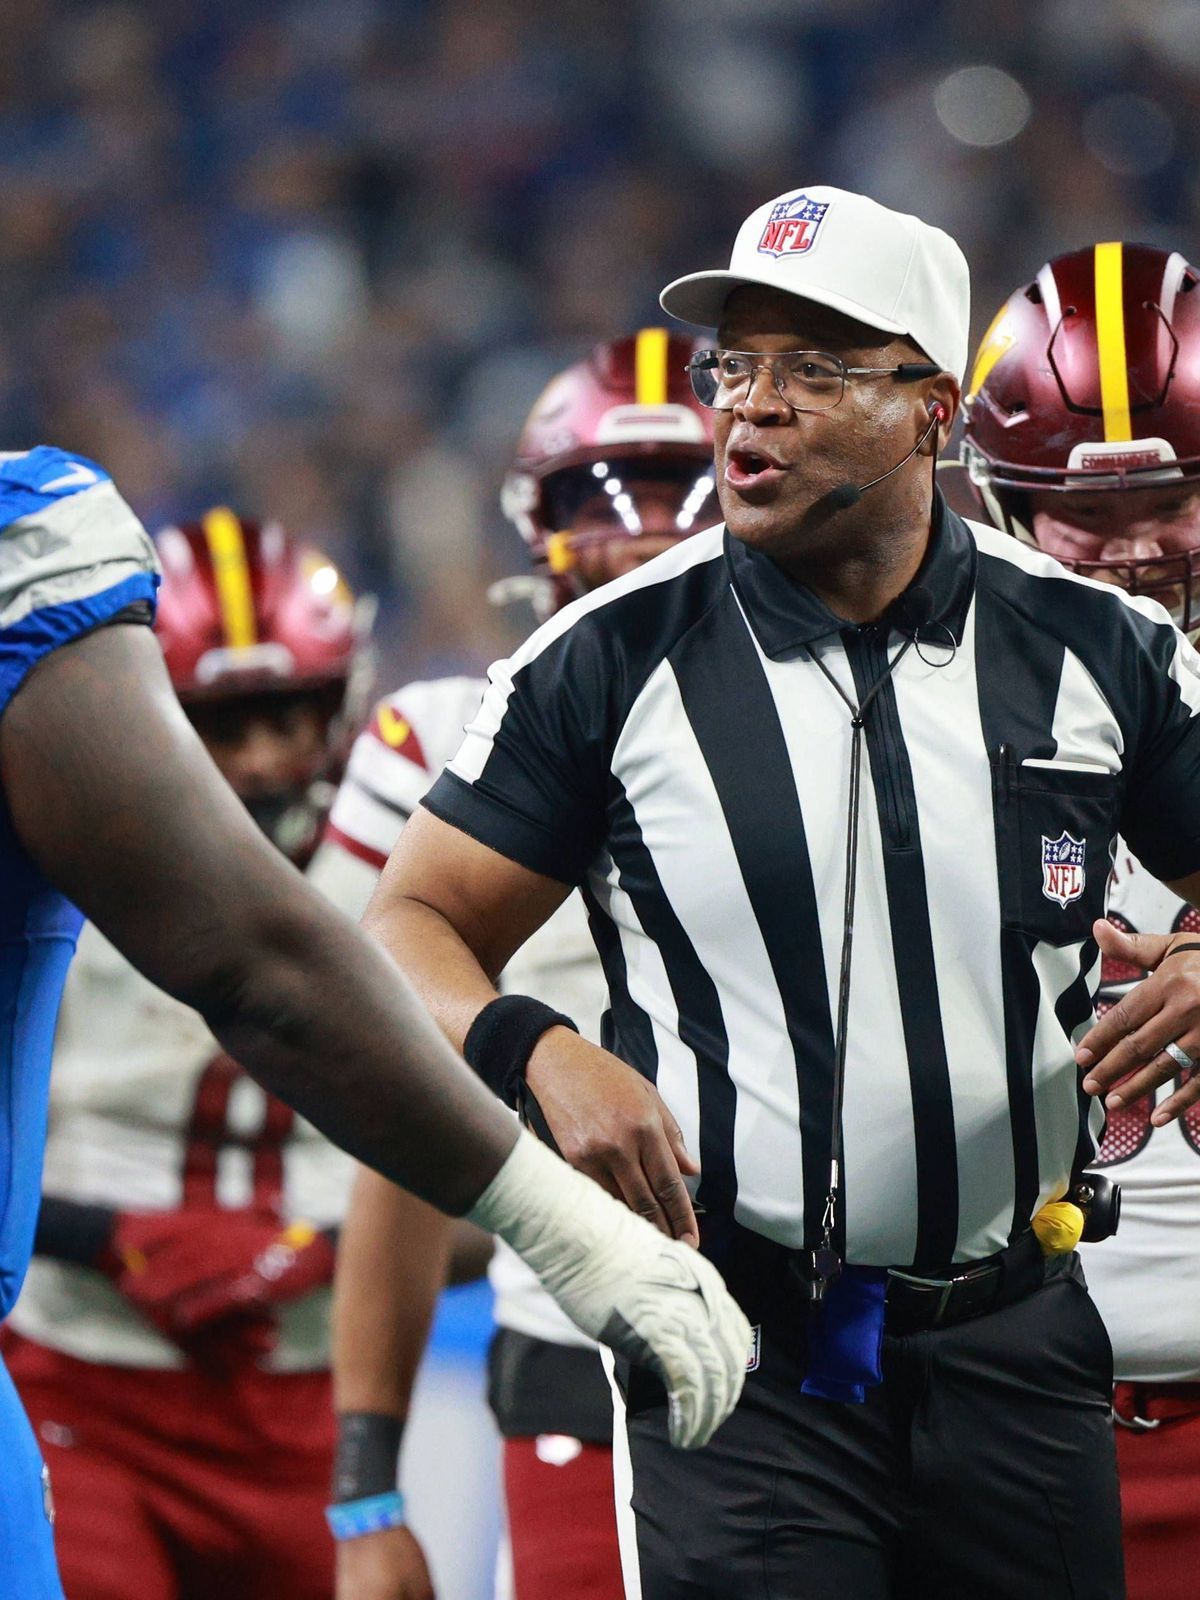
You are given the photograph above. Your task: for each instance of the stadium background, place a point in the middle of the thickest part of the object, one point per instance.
(316, 259)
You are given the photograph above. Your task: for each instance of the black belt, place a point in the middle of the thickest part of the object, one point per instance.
(916, 1303)
(767, 1278)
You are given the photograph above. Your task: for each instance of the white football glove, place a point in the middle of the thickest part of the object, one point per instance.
(651, 1298)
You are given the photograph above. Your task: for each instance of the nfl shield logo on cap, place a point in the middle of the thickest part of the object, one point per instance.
(792, 226)
(1062, 868)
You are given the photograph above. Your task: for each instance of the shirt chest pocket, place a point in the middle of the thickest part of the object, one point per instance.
(1054, 831)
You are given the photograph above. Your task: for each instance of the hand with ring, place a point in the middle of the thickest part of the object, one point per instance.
(1152, 1034)
(1179, 1057)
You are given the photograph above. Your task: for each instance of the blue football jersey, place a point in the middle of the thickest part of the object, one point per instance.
(72, 557)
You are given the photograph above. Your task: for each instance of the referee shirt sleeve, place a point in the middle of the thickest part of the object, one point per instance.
(531, 777)
(1161, 816)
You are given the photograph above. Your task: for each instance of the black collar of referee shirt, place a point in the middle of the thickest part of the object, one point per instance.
(786, 616)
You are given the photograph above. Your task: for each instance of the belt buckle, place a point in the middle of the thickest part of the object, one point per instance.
(945, 1285)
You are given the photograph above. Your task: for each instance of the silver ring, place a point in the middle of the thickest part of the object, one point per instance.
(1178, 1056)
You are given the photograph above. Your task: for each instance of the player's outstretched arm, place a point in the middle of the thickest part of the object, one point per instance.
(114, 797)
(117, 801)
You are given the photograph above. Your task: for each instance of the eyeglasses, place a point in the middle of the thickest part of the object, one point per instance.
(809, 380)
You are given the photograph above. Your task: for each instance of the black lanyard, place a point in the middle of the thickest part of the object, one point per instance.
(826, 1263)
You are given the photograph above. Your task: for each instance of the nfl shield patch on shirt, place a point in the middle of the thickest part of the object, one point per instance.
(755, 1348)
(1062, 868)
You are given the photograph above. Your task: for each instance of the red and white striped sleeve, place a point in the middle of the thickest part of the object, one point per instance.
(408, 739)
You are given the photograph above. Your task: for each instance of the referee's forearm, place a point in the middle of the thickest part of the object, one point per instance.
(451, 913)
(435, 958)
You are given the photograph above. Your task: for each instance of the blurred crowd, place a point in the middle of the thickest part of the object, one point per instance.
(316, 257)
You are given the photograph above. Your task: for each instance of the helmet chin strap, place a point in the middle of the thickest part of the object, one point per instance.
(535, 588)
(560, 556)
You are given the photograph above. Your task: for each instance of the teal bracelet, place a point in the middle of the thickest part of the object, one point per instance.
(353, 1518)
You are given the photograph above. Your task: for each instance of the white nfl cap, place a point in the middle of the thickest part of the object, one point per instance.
(882, 267)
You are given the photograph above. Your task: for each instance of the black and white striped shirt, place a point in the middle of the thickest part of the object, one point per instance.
(670, 744)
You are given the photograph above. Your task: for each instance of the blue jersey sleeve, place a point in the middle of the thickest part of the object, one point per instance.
(72, 557)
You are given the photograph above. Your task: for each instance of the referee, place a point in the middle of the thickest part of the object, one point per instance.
(839, 780)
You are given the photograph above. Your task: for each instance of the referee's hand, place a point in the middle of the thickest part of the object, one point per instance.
(1123, 1056)
(610, 1123)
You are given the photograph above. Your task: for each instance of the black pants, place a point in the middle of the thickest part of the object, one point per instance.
(982, 1468)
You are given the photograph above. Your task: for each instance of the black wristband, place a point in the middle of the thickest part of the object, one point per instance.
(368, 1451)
(68, 1230)
(501, 1040)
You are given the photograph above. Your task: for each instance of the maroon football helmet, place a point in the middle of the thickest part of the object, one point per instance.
(608, 436)
(249, 617)
(1087, 384)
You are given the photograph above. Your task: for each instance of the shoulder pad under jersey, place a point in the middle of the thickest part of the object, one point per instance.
(72, 554)
(408, 739)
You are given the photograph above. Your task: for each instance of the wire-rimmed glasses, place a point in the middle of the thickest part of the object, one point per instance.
(809, 380)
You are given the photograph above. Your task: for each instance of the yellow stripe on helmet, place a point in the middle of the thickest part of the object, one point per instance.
(1110, 340)
(227, 547)
(650, 367)
(996, 342)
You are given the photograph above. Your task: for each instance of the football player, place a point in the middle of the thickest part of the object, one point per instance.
(1083, 438)
(614, 464)
(170, 1341)
(108, 799)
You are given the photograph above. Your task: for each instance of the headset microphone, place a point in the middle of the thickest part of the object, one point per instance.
(846, 495)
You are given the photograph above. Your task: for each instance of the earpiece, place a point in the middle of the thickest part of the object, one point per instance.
(845, 495)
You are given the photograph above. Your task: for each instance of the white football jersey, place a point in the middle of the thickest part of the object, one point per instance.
(1146, 1280)
(148, 1113)
(410, 738)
